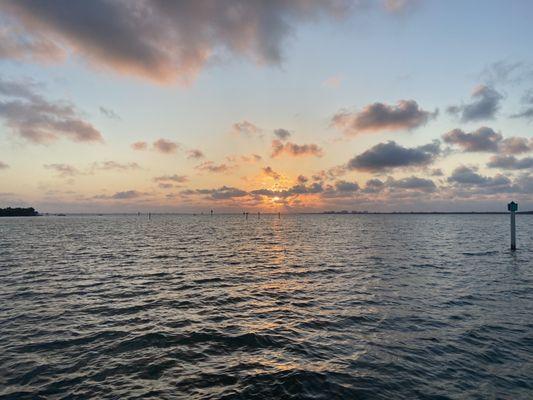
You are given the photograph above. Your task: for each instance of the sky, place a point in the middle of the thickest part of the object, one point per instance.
(271, 106)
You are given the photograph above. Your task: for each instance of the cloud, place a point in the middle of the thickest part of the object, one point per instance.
(160, 40)
(468, 176)
(485, 139)
(376, 117)
(252, 158)
(113, 165)
(400, 6)
(27, 114)
(374, 186)
(413, 183)
(302, 179)
(386, 156)
(171, 178)
(245, 128)
(332, 82)
(63, 170)
(292, 191)
(482, 139)
(485, 105)
(139, 146)
(345, 186)
(165, 146)
(195, 154)
(3, 165)
(510, 162)
(330, 173)
(222, 193)
(109, 113)
(282, 134)
(526, 114)
(17, 46)
(295, 150)
(516, 145)
(268, 171)
(128, 194)
(210, 166)
(506, 72)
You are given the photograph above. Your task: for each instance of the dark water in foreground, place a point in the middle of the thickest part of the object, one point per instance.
(306, 307)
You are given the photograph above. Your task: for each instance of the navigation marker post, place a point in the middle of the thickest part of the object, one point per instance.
(513, 207)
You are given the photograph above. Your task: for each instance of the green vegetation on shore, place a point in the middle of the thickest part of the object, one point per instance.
(18, 212)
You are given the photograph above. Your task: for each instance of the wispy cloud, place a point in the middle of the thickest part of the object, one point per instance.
(210, 166)
(268, 171)
(63, 170)
(108, 113)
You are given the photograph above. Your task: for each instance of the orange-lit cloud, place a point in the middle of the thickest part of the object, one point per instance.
(295, 150)
(161, 41)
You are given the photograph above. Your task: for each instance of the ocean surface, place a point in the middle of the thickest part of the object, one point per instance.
(302, 307)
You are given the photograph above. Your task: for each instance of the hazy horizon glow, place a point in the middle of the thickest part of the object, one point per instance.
(304, 105)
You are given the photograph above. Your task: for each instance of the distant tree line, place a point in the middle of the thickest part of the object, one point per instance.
(18, 212)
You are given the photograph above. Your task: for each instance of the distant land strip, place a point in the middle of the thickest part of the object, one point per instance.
(18, 212)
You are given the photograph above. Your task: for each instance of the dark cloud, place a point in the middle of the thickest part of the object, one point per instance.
(482, 139)
(386, 156)
(109, 113)
(510, 162)
(406, 114)
(210, 166)
(345, 186)
(29, 115)
(282, 134)
(156, 39)
(485, 105)
(165, 146)
(485, 139)
(195, 154)
(295, 190)
(268, 171)
(374, 186)
(295, 150)
(468, 176)
(222, 193)
(436, 172)
(63, 170)
(3, 165)
(171, 178)
(413, 183)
